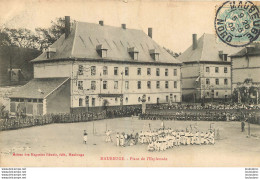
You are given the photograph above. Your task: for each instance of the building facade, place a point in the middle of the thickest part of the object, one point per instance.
(206, 71)
(111, 66)
(246, 74)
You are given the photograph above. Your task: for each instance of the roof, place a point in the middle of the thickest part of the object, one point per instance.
(252, 52)
(207, 50)
(39, 88)
(84, 37)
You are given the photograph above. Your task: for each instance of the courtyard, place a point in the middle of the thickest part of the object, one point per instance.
(62, 145)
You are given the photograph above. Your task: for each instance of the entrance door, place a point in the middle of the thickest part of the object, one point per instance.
(158, 101)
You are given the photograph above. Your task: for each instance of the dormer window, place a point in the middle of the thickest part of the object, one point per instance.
(50, 52)
(154, 54)
(223, 56)
(102, 50)
(133, 52)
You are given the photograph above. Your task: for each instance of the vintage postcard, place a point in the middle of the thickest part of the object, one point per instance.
(129, 83)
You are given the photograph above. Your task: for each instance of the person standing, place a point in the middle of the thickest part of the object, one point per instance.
(85, 137)
(108, 136)
(242, 126)
(117, 139)
(122, 139)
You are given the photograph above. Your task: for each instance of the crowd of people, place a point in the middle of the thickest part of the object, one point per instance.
(200, 116)
(22, 121)
(163, 138)
(183, 106)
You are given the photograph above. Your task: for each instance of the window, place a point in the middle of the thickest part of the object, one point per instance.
(115, 70)
(216, 93)
(126, 71)
(80, 102)
(207, 81)
(93, 70)
(115, 84)
(175, 84)
(157, 84)
(93, 85)
(34, 100)
(207, 93)
(93, 102)
(104, 84)
(225, 69)
(217, 81)
(139, 99)
(226, 81)
(116, 100)
(166, 84)
(139, 85)
(105, 72)
(157, 72)
(87, 100)
(126, 84)
(40, 100)
(166, 72)
(167, 98)
(207, 69)
(158, 100)
(216, 69)
(149, 84)
(148, 71)
(224, 57)
(80, 71)
(174, 72)
(80, 85)
(149, 98)
(139, 71)
(126, 99)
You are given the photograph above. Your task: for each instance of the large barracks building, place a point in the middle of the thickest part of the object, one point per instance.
(95, 65)
(206, 71)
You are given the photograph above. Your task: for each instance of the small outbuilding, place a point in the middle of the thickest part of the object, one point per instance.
(42, 96)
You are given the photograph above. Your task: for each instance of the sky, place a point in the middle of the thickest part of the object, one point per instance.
(173, 22)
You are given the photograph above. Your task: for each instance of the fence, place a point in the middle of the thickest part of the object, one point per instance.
(200, 117)
(22, 121)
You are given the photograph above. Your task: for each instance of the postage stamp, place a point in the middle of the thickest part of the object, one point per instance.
(237, 23)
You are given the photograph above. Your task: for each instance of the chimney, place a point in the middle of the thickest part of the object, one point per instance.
(123, 26)
(67, 26)
(150, 32)
(194, 41)
(101, 23)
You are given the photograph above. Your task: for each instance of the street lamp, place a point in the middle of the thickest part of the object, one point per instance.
(121, 98)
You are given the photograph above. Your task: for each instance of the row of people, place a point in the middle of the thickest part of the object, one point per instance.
(182, 116)
(163, 139)
(180, 106)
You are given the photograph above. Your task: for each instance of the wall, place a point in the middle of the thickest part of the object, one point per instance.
(242, 69)
(133, 93)
(56, 69)
(59, 100)
(191, 72)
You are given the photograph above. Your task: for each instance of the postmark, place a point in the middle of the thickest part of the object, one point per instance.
(237, 23)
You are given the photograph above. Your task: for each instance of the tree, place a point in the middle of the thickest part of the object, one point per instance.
(41, 39)
(48, 36)
(4, 39)
(21, 37)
